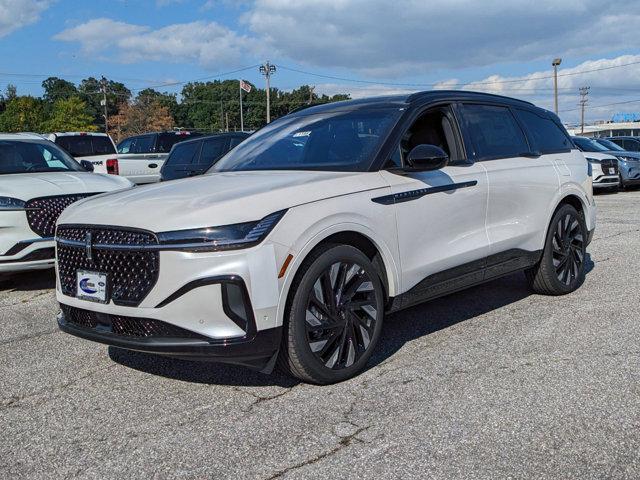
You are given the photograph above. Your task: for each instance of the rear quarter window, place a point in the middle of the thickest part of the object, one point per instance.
(184, 154)
(545, 135)
(494, 132)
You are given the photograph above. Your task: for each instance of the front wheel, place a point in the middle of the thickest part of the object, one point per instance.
(561, 269)
(335, 316)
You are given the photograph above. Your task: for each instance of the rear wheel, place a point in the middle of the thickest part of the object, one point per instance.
(561, 269)
(335, 316)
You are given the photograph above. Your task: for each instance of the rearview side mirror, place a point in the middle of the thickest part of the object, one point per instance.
(427, 157)
(87, 165)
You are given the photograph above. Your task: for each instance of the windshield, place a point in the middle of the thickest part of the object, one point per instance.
(86, 145)
(588, 145)
(330, 141)
(23, 156)
(610, 145)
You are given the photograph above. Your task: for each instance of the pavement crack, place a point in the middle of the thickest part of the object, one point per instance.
(22, 338)
(13, 401)
(344, 442)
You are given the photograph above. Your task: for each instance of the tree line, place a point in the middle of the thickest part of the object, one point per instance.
(204, 106)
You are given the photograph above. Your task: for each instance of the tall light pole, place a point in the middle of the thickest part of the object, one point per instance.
(556, 63)
(267, 70)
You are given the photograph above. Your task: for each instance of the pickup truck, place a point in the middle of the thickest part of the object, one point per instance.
(96, 148)
(140, 158)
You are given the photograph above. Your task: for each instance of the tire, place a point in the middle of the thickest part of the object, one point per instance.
(352, 315)
(561, 270)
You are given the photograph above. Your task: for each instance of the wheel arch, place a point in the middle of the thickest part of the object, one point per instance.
(355, 235)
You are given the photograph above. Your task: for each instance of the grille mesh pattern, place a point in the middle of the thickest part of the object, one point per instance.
(130, 274)
(126, 326)
(43, 212)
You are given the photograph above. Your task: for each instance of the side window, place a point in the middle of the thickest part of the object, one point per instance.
(545, 134)
(235, 141)
(143, 144)
(212, 149)
(184, 154)
(125, 145)
(494, 132)
(435, 126)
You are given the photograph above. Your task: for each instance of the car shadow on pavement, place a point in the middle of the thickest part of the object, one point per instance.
(28, 281)
(399, 328)
(198, 372)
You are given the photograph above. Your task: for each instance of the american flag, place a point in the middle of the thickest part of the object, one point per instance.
(245, 86)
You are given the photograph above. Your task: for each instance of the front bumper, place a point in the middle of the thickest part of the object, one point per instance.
(255, 351)
(32, 254)
(226, 301)
(606, 181)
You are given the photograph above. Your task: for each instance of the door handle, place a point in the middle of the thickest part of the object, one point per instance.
(153, 165)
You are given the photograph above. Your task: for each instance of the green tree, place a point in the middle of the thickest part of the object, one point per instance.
(10, 93)
(58, 89)
(167, 100)
(22, 114)
(69, 115)
(90, 92)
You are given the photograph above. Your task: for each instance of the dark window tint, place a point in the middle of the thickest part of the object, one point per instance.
(631, 145)
(212, 150)
(86, 145)
(125, 145)
(588, 145)
(168, 140)
(236, 141)
(102, 145)
(142, 144)
(184, 154)
(494, 132)
(34, 157)
(329, 141)
(546, 135)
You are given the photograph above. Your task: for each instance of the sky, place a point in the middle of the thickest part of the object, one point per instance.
(360, 47)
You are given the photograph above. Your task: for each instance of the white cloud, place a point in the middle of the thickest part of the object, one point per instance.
(382, 38)
(207, 43)
(15, 14)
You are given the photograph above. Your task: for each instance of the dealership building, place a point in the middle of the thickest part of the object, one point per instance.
(621, 125)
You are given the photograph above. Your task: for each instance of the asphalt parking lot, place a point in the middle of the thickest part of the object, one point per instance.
(490, 383)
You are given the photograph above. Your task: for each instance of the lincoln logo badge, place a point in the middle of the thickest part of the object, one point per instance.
(87, 246)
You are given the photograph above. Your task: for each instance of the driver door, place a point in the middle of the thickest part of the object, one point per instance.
(441, 214)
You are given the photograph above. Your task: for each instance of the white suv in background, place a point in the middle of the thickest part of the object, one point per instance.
(37, 181)
(298, 241)
(96, 148)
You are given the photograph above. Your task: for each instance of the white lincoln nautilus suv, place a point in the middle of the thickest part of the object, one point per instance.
(295, 244)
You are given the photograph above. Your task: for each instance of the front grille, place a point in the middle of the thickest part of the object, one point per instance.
(43, 212)
(131, 274)
(125, 326)
(607, 164)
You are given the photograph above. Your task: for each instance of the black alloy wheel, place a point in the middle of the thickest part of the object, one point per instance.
(562, 267)
(341, 315)
(568, 249)
(334, 318)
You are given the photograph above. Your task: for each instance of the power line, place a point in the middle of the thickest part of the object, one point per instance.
(497, 82)
(208, 77)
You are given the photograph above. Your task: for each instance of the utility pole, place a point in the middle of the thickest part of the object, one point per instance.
(267, 70)
(584, 91)
(556, 63)
(103, 89)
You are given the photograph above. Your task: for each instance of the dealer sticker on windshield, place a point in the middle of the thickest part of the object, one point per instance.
(91, 286)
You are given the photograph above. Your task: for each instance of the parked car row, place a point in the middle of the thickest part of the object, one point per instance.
(613, 167)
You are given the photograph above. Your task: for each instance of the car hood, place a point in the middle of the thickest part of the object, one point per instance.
(599, 155)
(26, 186)
(216, 199)
(615, 153)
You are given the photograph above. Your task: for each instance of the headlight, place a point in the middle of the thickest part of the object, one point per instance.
(593, 160)
(227, 237)
(11, 204)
